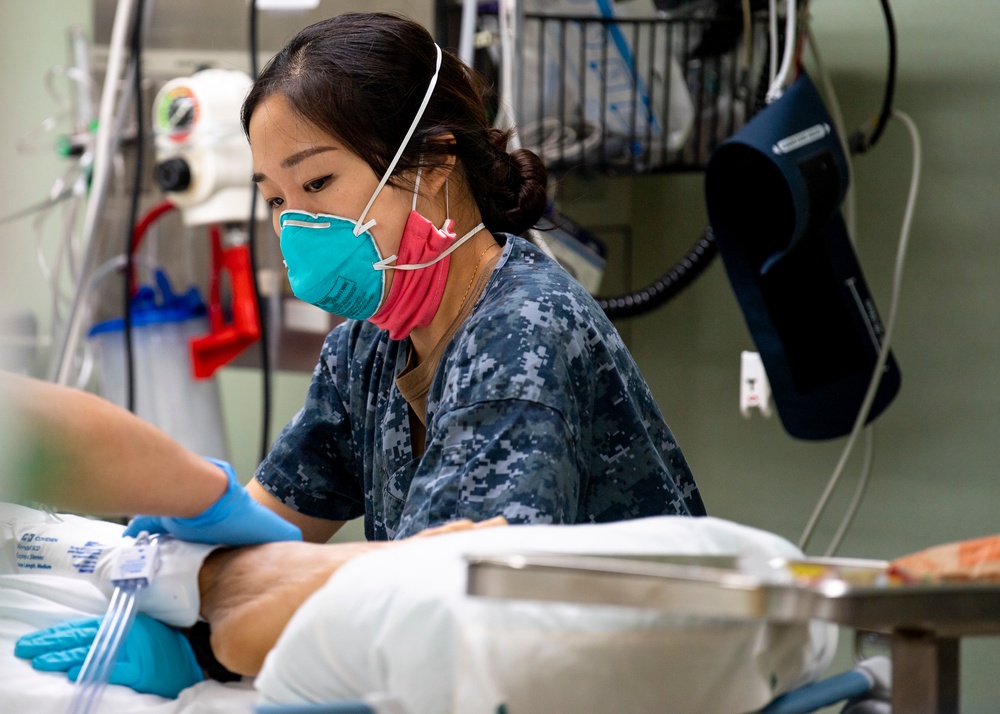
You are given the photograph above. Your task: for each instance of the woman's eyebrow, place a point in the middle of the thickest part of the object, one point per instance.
(305, 154)
(296, 158)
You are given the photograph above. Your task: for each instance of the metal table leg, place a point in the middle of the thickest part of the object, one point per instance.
(924, 673)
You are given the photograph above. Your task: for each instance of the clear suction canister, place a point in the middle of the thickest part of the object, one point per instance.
(166, 393)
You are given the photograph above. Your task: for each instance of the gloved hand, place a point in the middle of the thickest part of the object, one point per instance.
(235, 519)
(154, 659)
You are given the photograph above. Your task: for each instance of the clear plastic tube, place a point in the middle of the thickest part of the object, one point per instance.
(104, 651)
(134, 572)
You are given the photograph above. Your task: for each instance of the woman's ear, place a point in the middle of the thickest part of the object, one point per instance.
(439, 170)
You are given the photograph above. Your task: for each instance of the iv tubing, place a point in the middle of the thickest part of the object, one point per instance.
(103, 653)
(104, 147)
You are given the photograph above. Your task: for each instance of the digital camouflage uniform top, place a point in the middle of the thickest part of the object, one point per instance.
(537, 412)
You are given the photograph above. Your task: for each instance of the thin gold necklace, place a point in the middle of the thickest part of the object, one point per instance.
(479, 264)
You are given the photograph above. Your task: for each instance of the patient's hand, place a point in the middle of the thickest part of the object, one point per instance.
(249, 594)
(461, 525)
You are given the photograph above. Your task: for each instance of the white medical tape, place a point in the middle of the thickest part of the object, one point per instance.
(34, 543)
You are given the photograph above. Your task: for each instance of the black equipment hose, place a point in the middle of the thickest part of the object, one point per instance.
(667, 286)
(265, 353)
(133, 215)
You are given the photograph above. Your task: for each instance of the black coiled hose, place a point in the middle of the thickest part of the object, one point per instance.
(668, 285)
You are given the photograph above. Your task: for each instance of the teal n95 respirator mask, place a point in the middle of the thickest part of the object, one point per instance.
(329, 265)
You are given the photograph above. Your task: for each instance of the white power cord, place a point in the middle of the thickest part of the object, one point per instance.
(890, 324)
(772, 45)
(859, 494)
(779, 80)
(466, 37)
(506, 113)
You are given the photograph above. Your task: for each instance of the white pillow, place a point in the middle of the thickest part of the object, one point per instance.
(398, 622)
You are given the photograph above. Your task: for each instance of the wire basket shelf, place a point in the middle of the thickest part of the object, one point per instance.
(612, 94)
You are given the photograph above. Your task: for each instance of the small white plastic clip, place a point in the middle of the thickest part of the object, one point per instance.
(135, 566)
(755, 390)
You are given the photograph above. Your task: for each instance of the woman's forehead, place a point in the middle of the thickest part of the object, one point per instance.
(276, 123)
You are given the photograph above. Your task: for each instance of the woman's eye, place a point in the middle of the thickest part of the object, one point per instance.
(317, 184)
(275, 203)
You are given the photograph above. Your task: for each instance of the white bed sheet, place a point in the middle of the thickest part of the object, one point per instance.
(31, 602)
(398, 622)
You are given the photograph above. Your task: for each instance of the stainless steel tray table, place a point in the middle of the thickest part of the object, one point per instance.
(925, 622)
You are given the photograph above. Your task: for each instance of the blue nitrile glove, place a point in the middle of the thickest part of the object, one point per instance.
(235, 519)
(154, 659)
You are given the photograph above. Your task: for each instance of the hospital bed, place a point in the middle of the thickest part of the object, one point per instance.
(924, 622)
(398, 624)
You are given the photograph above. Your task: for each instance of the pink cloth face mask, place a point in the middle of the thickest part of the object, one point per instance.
(423, 259)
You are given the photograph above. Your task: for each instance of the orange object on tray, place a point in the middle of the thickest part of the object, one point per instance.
(964, 561)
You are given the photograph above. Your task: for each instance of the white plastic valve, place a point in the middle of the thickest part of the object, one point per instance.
(197, 123)
(755, 390)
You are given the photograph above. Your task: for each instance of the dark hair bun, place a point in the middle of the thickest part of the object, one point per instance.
(532, 196)
(521, 177)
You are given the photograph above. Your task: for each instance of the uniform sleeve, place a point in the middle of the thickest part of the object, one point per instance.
(513, 458)
(311, 466)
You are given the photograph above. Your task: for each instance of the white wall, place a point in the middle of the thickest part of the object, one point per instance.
(31, 42)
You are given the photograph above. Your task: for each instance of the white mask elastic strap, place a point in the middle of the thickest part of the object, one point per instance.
(416, 187)
(384, 264)
(360, 227)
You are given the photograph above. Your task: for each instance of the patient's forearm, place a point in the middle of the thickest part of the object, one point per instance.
(85, 454)
(249, 594)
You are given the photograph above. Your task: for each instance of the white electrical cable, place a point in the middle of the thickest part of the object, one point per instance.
(890, 324)
(859, 494)
(506, 113)
(780, 80)
(470, 9)
(772, 31)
